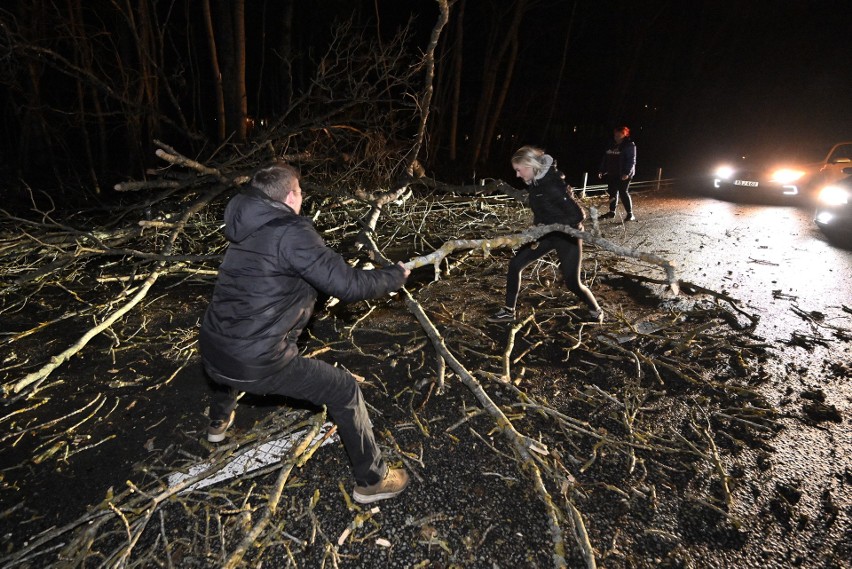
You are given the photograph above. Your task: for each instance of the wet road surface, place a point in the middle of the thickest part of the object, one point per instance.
(759, 253)
(774, 260)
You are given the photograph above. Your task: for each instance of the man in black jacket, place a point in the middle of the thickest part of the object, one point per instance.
(618, 166)
(264, 296)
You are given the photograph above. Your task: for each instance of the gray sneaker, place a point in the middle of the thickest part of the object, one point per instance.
(502, 315)
(393, 484)
(217, 428)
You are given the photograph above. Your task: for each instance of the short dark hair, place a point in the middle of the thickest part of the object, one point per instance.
(276, 181)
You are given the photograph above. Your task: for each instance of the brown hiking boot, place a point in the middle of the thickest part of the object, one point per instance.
(393, 484)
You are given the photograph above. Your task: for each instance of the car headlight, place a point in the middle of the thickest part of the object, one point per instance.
(786, 175)
(834, 196)
(824, 217)
(724, 172)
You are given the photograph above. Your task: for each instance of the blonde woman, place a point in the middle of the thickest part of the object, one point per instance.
(551, 201)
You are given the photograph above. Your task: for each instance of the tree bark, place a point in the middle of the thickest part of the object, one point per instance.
(457, 78)
(562, 65)
(217, 72)
(491, 75)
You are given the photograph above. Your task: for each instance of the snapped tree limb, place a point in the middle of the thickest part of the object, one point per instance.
(537, 232)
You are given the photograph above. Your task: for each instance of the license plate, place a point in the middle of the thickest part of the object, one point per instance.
(745, 183)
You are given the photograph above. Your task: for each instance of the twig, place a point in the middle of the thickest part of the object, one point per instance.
(510, 344)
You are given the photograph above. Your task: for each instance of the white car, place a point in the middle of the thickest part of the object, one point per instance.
(831, 169)
(834, 208)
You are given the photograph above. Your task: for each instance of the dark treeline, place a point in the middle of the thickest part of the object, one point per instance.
(87, 85)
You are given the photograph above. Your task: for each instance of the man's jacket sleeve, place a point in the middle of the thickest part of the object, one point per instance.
(323, 268)
(628, 160)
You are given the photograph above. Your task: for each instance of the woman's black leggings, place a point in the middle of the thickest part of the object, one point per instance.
(570, 252)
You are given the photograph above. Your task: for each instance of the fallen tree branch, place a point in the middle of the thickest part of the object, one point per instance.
(525, 447)
(301, 453)
(537, 232)
(33, 380)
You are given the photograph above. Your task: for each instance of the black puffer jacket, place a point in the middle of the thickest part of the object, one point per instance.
(552, 202)
(267, 287)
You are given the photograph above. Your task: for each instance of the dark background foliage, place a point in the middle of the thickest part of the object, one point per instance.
(86, 87)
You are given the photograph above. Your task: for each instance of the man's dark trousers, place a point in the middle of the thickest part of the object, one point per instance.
(319, 383)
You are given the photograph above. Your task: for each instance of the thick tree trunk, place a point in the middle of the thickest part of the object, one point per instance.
(494, 63)
(562, 66)
(217, 72)
(457, 78)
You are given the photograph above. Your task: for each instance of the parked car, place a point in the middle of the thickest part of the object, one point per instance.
(834, 208)
(753, 177)
(832, 168)
(773, 177)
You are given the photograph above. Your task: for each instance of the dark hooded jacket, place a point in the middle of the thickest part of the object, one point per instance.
(267, 287)
(551, 201)
(620, 159)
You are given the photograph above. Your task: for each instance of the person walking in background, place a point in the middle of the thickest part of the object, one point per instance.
(619, 166)
(263, 298)
(551, 201)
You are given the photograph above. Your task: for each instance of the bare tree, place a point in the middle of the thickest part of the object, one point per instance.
(217, 73)
(559, 75)
(501, 55)
(229, 27)
(135, 74)
(112, 60)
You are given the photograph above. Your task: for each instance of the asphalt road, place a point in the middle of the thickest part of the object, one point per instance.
(773, 259)
(760, 253)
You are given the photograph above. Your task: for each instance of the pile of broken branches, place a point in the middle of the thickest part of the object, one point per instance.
(616, 434)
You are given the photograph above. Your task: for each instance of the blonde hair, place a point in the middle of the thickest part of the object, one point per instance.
(530, 156)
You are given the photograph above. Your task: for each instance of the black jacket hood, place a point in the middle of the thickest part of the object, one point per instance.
(250, 210)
